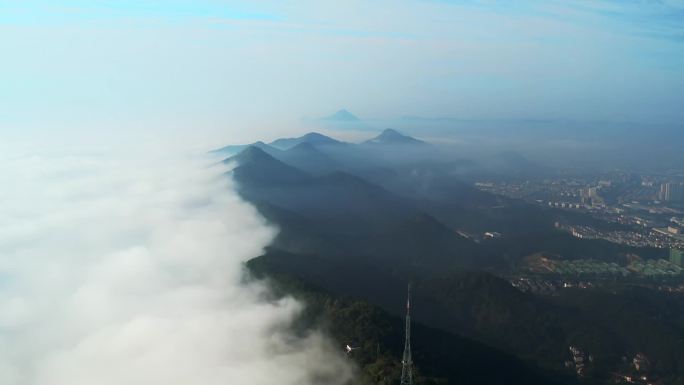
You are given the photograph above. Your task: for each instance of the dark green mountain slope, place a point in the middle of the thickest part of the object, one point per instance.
(391, 216)
(340, 202)
(256, 169)
(608, 325)
(439, 357)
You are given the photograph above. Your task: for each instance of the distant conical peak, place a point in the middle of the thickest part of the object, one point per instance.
(317, 138)
(393, 136)
(252, 153)
(314, 135)
(343, 115)
(389, 132)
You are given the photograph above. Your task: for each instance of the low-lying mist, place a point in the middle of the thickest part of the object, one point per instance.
(128, 271)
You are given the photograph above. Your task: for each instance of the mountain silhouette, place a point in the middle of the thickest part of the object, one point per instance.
(341, 116)
(390, 136)
(313, 138)
(255, 167)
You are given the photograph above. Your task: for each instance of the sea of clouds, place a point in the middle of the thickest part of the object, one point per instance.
(127, 269)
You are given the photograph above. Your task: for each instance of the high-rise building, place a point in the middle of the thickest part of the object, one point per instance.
(671, 192)
(590, 196)
(677, 257)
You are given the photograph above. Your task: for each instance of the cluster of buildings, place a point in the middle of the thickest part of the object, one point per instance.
(545, 269)
(582, 267)
(579, 361)
(671, 192)
(670, 237)
(534, 285)
(541, 286)
(655, 268)
(566, 205)
(677, 257)
(592, 191)
(590, 195)
(672, 231)
(639, 373)
(652, 268)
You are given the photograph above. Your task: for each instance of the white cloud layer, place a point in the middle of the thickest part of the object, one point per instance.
(119, 271)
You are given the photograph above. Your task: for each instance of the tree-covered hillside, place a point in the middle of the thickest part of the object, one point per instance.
(440, 357)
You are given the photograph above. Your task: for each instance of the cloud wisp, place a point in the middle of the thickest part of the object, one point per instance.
(119, 271)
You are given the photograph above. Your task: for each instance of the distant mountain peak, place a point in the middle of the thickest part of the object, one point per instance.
(251, 154)
(391, 133)
(237, 148)
(317, 138)
(342, 116)
(313, 138)
(391, 136)
(256, 167)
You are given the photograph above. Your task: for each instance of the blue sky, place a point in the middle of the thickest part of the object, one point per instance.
(216, 67)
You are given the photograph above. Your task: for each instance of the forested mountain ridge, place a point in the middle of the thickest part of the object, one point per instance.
(439, 357)
(361, 221)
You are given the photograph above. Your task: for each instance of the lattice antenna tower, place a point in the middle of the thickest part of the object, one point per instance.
(407, 362)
